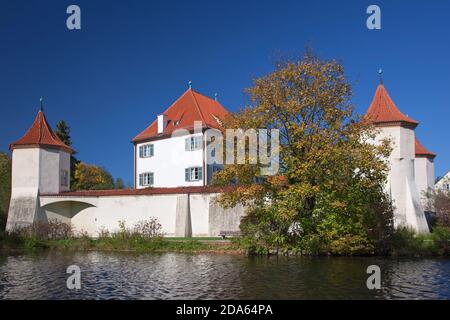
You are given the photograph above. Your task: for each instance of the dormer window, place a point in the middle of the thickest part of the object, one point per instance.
(176, 122)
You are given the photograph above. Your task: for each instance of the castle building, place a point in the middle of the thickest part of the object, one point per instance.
(173, 169)
(169, 149)
(411, 171)
(171, 152)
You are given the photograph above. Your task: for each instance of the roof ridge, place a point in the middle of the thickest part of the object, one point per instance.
(198, 107)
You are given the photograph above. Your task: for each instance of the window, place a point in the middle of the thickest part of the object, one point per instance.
(193, 143)
(146, 179)
(146, 151)
(64, 178)
(193, 174)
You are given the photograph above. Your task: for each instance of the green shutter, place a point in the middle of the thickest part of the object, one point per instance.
(187, 176)
(200, 173)
(141, 152)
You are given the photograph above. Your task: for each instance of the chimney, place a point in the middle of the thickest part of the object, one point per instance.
(162, 123)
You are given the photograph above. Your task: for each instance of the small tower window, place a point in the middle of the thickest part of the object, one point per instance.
(64, 178)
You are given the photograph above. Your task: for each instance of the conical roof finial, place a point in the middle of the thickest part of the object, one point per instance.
(190, 84)
(41, 108)
(380, 73)
(216, 96)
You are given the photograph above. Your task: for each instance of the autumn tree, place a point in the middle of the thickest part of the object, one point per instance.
(63, 133)
(5, 187)
(331, 179)
(91, 177)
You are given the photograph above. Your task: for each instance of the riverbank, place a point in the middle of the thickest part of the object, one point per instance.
(206, 245)
(402, 243)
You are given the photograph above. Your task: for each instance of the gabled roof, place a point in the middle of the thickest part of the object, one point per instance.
(421, 151)
(191, 106)
(40, 135)
(383, 111)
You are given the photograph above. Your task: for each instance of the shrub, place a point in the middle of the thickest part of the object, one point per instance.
(351, 245)
(51, 230)
(148, 229)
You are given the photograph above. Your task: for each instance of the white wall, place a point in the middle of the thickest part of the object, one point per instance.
(424, 174)
(92, 214)
(401, 184)
(169, 162)
(25, 168)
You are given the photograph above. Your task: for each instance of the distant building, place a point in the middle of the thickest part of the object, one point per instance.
(443, 183)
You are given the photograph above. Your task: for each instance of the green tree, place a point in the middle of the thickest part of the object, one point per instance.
(91, 177)
(5, 187)
(63, 133)
(331, 179)
(119, 184)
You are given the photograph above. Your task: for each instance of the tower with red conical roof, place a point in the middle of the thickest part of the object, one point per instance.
(40, 164)
(411, 166)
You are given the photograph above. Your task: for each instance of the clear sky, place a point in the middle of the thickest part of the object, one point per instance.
(132, 59)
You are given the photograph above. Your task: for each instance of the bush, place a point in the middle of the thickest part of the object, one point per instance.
(51, 230)
(150, 228)
(441, 239)
(351, 245)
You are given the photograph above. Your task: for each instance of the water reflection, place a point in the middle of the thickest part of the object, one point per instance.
(205, 276)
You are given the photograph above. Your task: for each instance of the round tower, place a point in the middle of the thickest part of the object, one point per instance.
(40, 164)
(401, 184)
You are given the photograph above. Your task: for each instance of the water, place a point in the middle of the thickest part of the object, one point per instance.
(214, 276)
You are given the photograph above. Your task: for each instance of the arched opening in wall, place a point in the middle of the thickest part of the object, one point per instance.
(63, 210)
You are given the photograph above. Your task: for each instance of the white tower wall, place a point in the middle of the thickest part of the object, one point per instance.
(401, 185)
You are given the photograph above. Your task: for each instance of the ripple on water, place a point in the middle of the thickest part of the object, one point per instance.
(210, 276)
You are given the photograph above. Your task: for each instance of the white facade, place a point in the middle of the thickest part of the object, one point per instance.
(35, 171)
(424, 175)
(401, 182)
(169, 162)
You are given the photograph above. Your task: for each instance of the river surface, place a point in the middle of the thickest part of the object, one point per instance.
(214, 276)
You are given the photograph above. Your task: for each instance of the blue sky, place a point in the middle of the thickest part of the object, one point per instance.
(132, 59)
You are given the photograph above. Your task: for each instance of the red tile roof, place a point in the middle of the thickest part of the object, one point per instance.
(383, 110)
(138, 192)
(421, 151)
(191, 106)
(41, 135)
